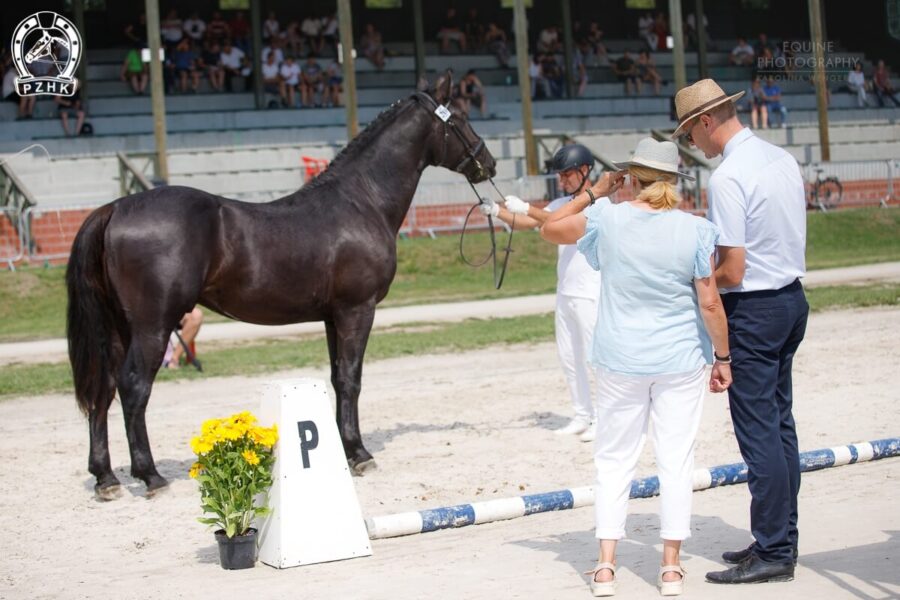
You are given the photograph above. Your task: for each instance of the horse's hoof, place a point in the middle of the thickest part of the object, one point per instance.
(108, 493)
(156, 485)
(359, 469)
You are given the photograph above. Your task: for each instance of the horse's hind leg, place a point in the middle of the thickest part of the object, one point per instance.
(348, 335)
(142, 361)
(107, 486)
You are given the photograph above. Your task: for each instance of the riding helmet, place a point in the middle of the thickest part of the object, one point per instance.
(571, 156)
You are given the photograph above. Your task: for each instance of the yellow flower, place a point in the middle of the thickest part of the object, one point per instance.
(250, 456)
(195, 470)
(201, 445)
(265, 436)
(244, 418)
(229, 433)
(209, 426)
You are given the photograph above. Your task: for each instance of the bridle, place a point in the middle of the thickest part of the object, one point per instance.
(443, 114)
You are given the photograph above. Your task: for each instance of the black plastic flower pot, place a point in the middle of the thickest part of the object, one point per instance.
(238, 552)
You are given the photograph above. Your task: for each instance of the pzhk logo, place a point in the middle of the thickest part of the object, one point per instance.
(46, 49)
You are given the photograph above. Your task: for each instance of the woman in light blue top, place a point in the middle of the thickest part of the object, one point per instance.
(660, 307)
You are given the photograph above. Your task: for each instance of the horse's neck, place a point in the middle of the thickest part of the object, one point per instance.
(396, 159)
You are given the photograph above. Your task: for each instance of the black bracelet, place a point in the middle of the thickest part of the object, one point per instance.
(591, 195)
(725, 360)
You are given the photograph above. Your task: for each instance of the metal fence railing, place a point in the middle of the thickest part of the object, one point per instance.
(39, 234)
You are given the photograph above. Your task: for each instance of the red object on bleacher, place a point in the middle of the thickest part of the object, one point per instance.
(313, 166)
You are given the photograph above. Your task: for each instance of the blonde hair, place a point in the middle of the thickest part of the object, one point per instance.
(658, 188)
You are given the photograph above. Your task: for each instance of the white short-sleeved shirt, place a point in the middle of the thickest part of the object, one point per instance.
(270, 71)
(290, 73)
(650, 321)
(574, 276)
(232, 59)
(756, 197)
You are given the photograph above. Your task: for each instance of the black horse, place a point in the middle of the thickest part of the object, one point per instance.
(324, 253)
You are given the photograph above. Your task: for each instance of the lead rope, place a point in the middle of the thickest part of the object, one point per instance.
(498, 278)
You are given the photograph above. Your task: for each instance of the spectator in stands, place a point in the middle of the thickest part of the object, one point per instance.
(762, 44)
(239, 28)
(290, 81)
(334, 84)
(195, 28)
(136, 33)
(211, 60)
(312, 82)
(626, 71)
(646, 32)
(371, 46)
(595, 39)
(474, 29)
(190, 326)
(692, 33)
(70, 106)
(579, 69)
(330, 32)
(274, 47)
(881, 85)
(548, 41)
(451, 31)
(856, 83)
(538, 81)
(757, 99)
(772, 94)
(647, 71)
(25, 103)
(134, 70)
(765, 64)
(495, 39)
(553, 74)
(292, 38)
(742, 54)
(232, 59)
(271, 78)
(184, 64)
(171, 29)
(271, 27)
(661, 29)
(312, 32)
(218, 30)
(471, 91)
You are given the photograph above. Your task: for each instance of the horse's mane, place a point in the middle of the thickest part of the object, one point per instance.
(356, 145)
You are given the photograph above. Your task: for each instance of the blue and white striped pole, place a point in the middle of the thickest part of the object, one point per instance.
(432, 519)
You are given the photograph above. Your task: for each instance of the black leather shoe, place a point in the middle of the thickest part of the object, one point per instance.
(753, 570)
(733, 558)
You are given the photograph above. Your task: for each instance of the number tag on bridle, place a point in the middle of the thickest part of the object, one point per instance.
(442, 113)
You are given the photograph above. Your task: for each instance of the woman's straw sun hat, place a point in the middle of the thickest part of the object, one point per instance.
(696, 99)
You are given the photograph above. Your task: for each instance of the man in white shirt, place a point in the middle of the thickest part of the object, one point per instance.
(232, 59)
(577, 289)
(290, 80)
(195, 27)
(756, 197)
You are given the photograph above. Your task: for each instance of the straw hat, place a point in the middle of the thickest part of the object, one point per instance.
(697, 99)
(660, 156)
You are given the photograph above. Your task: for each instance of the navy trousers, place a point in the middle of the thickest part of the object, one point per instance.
(764, 330)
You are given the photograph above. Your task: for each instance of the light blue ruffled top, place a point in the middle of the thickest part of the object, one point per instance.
(649, 321)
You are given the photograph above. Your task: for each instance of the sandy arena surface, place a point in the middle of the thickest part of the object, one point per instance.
(450, 429)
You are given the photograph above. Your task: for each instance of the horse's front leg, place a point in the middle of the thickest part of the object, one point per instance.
(348, 335)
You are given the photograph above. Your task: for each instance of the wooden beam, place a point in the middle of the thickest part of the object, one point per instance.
(678, 44)
(818, 41)
(525, 86)
(256, 51)
(157, 89)
(345, 23)
(568, 47)
(419, 38)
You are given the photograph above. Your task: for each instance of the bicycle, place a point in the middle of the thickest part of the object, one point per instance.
(824, 194)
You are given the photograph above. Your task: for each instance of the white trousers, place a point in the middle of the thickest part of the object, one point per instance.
(575, 322)
(627, 404)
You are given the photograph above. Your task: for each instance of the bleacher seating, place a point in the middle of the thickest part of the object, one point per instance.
(217, 140)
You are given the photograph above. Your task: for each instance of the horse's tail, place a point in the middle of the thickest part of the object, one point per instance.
(89, 322)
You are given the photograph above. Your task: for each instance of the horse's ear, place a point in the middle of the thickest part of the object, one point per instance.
(443, 87)
(422, 85)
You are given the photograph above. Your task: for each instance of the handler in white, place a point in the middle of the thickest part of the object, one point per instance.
(577, 288)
